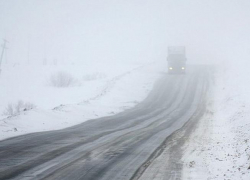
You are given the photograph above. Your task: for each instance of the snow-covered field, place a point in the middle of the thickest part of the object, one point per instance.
(97, 90)
(220, 146)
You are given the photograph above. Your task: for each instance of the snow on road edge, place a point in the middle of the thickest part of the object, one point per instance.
(220, 147)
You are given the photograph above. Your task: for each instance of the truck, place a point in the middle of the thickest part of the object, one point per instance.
(176, 60)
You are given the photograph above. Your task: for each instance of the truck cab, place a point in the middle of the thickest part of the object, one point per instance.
(176, 60)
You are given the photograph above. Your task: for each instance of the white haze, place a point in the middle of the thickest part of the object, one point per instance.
(117, 31)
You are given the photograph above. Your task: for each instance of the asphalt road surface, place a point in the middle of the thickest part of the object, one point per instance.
(128, 146)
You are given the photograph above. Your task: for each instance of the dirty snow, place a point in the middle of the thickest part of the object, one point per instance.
(98, 90)
(220, 147)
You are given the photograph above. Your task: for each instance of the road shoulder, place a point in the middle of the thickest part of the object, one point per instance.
(219, 147)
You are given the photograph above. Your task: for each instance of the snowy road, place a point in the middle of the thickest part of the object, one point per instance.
(129, 145)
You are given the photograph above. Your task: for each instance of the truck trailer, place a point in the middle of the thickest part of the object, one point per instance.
(176, 60)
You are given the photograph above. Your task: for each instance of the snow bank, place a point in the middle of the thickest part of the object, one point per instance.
(99, 90)
(220, 146)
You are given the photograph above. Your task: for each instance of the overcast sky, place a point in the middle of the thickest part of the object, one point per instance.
(124, 30)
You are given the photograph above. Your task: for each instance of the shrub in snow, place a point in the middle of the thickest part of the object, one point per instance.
(95, 76)
(19, 107)
(14, 109)
(62, 79)
(9, 110)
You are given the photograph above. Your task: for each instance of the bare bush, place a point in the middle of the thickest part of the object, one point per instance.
(19, 107)
(15, 109)
(9, 110)
(62, 79)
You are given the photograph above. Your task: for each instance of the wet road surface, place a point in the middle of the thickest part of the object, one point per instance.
(119, 147)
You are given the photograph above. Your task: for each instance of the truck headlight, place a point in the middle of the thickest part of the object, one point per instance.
(183, 68)
(170, 68)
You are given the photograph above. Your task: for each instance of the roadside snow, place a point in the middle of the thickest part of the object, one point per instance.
(220, 146)
(99, 90)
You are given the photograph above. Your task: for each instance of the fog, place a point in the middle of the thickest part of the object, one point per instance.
(73, 61)
(117, 31)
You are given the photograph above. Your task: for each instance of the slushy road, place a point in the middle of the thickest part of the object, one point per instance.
(108, 148)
